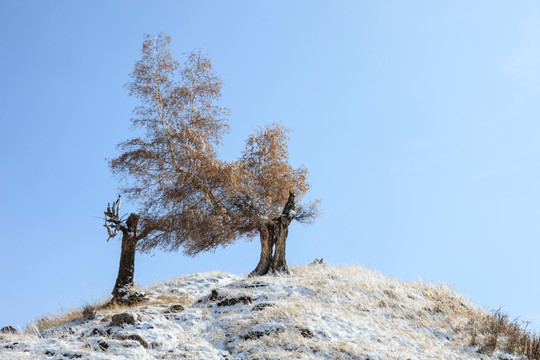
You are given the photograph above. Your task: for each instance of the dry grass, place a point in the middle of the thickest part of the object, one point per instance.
(86, 312)
(91, 311)
(182, 299)
(407, 306)
(50, 321)
(331, 312)
(352, 298)
(496, 331)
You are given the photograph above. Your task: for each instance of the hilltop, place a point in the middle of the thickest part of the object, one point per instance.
(317, 312)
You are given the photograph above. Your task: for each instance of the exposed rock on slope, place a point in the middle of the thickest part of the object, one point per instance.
(318, 312)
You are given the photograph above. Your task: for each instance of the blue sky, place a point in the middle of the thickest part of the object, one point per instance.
(419, 122)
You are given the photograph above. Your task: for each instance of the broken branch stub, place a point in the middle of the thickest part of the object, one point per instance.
(112, 221)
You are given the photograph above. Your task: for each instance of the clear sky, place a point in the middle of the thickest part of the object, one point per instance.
(419, 122)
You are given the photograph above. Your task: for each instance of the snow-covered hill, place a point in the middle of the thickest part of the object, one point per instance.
(318, 312)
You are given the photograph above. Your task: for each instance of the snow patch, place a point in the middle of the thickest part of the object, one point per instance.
(318, 312)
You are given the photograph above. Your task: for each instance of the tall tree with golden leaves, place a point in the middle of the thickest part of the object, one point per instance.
(171, 169)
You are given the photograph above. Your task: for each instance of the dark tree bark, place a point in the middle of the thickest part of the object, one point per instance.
(266, 234)
(279, 262)
(274, 240)
(126, 270)
(123, 292)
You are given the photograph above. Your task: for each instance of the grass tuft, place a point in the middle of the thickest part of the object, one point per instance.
(496, 331)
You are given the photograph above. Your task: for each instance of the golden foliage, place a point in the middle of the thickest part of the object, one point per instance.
(268, 172)
(189, 197)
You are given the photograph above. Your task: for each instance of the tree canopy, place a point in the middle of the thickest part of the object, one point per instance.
(188, 197)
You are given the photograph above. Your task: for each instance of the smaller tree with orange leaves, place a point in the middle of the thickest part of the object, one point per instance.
(268, 194)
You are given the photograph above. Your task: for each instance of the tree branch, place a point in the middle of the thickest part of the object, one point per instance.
(113, 223)
(308, 213)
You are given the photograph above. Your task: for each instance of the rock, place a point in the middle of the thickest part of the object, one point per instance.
(307, 333)
(176, 308)
(121, 319)
(254, 335)
(255, 284)
(8, 330)
(72, 356)
(129, 297)
(98, 332)
(233, 301)
(134, 337)
(261, 306)
(214, 295)
(103, 345)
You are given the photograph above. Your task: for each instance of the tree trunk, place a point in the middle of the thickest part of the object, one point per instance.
(279, 262)
(266, 234)
(124, 281)
(274, 239)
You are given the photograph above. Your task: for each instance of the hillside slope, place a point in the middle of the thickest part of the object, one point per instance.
(318, 312)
